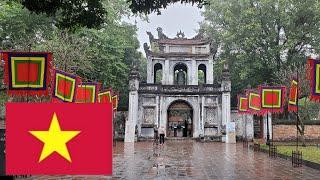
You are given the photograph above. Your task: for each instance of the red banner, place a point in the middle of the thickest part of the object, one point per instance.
(64, 86)
(27, 73)
(293, 96)
(87, 92)
(254, 106)
(242, 104)
(313, 74)
(105, 96)
(272, 98)
(115, 101)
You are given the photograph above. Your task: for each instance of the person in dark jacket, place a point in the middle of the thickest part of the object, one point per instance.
(162, 134)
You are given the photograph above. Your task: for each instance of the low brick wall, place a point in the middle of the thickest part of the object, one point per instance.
(288, 132)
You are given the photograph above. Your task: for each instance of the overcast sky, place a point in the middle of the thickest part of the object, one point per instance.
(173, 19)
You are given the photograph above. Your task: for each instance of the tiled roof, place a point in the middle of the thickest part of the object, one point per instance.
(180, 41)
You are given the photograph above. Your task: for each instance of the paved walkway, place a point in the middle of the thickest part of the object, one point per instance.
(194, 160)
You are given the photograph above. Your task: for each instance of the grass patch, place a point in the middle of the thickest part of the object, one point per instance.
(309, 153)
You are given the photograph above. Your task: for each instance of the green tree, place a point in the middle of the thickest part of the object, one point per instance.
(260, 38)
(104, 55)
(150, 6)
(69, 14)
(20, 28)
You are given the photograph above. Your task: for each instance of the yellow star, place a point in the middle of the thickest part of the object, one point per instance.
(54, 140)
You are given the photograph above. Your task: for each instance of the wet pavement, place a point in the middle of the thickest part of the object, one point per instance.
(189, 159)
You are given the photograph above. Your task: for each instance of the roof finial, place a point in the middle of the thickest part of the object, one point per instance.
(180, 35)
(161, 35)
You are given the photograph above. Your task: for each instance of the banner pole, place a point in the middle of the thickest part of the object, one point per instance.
(268, 135)
(297, 104)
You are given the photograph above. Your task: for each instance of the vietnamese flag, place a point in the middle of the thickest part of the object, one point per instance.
(58, 139)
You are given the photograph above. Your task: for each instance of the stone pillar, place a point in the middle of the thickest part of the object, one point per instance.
(170, 73)
(157, 120)
(133, 105)
(265, 126)
(194, 72)
(163, 111)
(210, 71)
(247, 127)
(226, 106)
(166, 72)
(202, 116)
(190, 73)
(150, 69)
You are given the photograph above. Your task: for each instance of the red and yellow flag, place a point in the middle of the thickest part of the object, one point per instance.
(115, 101)
(87, 92)
(105, 96)
(293, 96)
(64, 86)
(254, 104)
(59, 139)
(27, 73)
(272, 98)
(242, 104)
(313, 74)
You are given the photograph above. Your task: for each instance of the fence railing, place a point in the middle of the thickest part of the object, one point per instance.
(296, 158)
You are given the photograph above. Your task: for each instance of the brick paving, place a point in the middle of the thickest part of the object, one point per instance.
(189, 159)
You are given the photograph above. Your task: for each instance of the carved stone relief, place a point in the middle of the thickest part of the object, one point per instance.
(211, 116)
(149, 115)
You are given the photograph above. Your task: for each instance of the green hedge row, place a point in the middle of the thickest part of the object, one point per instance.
(293, 122)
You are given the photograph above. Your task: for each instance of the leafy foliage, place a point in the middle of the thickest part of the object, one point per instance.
(102, 55)
(69, 14)
(147, 6)
(3, 100)
(20, 28)
(258, 39)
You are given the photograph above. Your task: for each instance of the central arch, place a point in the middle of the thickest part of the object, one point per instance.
(180, 119)
(182, 69)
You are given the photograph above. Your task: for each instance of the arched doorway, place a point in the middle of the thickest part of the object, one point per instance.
(157, 76)
(180, 122)
(202, 74)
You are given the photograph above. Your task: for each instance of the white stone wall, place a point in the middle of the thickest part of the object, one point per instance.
(198, 104)
(244, 124)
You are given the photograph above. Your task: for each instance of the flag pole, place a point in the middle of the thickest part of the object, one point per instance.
(29, 49)
(268, 135)
(297, 114)
(272, 119)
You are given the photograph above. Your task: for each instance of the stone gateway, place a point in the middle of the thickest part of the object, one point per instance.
(181, 93)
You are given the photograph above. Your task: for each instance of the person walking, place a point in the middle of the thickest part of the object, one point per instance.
(156, 135)
(161, 133)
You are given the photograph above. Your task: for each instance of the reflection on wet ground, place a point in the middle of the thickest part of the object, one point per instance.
(189, 159)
